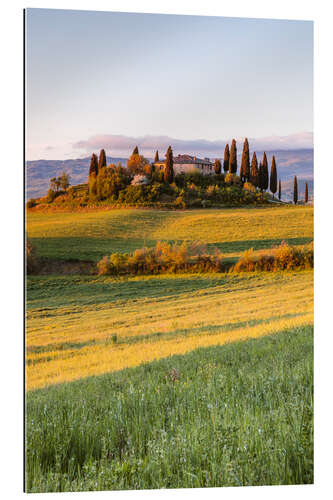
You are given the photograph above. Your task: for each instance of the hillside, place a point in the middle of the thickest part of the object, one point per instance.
(38, 173)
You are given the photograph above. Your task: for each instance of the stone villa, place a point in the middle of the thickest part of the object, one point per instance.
(187, 163)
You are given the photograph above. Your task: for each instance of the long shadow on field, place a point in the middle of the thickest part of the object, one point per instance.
(153, 337)
(93, 249)
(46, 294)
(241, 246)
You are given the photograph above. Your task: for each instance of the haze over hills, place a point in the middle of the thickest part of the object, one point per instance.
(289, 163)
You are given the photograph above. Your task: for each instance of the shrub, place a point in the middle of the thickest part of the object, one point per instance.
(233, 179)
(51, 195)
(283, 257)
(164, 257)
(249, 187)
(31, 259)
(31, 203)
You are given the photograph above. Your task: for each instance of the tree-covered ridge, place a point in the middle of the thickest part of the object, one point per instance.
(145, 183)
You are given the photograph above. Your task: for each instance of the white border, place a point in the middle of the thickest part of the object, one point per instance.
(11, 242)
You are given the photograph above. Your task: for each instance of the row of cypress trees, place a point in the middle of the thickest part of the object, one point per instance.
(306, 193)
(249, 172)
(97, 164)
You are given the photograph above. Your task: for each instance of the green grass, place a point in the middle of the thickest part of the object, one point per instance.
(233, 415)
(91, 235)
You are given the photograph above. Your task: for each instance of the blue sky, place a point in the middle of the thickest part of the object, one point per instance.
(103, 79)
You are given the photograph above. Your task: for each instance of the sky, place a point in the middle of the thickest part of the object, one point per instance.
(114, 80)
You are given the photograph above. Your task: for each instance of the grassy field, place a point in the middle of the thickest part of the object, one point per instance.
(93, 234)
(232, 415)
(168, 396)
(81, 326)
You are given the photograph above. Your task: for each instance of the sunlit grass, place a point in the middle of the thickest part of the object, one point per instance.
(232, 415)
(152, 318)
(91, 235)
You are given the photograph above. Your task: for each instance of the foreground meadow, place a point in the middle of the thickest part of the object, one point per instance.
(171, 380)
(233, 415)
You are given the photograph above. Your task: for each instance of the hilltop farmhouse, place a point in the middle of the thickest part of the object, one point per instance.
(186, 163)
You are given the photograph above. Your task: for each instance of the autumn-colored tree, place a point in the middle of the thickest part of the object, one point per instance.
(226, 158)
(55, 183)
(93, 169)
(265, 172)
(148, 169)
(233, 158)
(245, 165)
(168, 168)
(136, 164)
(135, 151)
(279, 189)
(102, 159)
(217, 166)
(254, 174)
(295, 190)
(64, 181)
(306, 194)
(157, 158)
(273, 179)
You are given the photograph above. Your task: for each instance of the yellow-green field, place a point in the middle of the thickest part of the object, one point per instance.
(176, 388)
(80, 326)
(110, 324)
(91, 235)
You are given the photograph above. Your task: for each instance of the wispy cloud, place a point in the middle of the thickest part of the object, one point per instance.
(122, 144)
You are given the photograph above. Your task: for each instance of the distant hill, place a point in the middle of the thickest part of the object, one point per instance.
(289, 163)
(39, 173)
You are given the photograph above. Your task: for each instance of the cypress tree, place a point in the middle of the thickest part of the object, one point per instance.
(295, 190)
(273, 179)
(168, 169)
(226, 158)
(233, 158)
(217, 166)
(245, 165)
(93, 169)
(254, 174)
(102, 159)
(306, 194)
(265, 172)
(135, 151)
(279, 189)
(157, 159)
(261, 177)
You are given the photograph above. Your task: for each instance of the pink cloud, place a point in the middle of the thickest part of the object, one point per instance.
(121, 144)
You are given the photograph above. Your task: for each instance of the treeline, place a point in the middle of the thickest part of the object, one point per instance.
(140, 183)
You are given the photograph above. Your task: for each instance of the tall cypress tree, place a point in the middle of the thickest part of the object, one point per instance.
(93, 169)
(157, 158)
(217, 166)
(306, 194)
(245, 165)
(261, 177)
(279, 189)
(135, 151)
(102, 159)
(226, 158)
(265, 172)
(254, 174)
(295, 190)
(168, 168)
(233, 158)
(273, 179)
